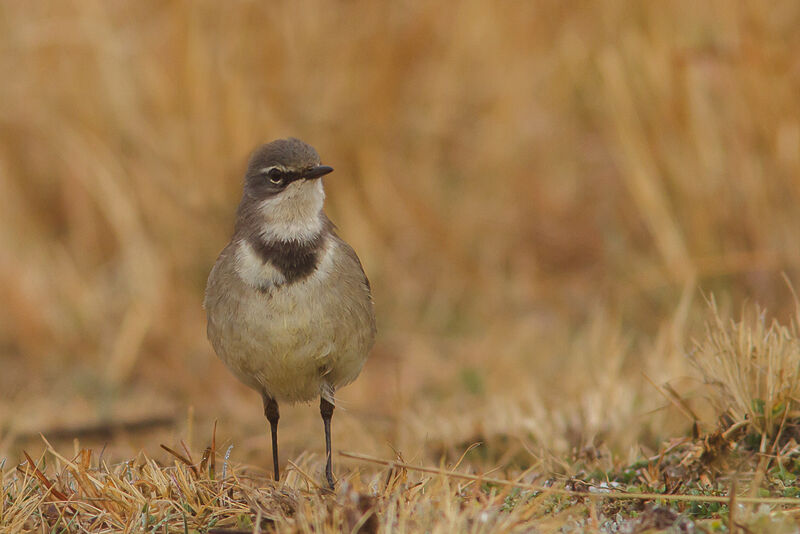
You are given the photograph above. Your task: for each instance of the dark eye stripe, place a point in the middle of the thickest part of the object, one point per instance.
(279, 176)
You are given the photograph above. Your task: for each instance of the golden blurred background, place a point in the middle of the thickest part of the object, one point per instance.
(541, 193)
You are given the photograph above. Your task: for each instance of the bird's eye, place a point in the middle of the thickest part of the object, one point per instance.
(275, 175)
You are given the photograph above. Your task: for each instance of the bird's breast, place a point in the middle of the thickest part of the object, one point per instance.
(292, 339)
(268, 265)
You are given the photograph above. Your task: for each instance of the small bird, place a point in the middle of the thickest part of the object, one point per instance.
(289, 307)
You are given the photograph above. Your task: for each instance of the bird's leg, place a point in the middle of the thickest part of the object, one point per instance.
(326, 410)
(271, 411)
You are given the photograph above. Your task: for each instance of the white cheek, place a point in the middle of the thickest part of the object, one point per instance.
(294, 214)
(252, 270)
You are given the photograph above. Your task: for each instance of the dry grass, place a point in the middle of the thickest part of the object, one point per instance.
(539, 193)
(754, 366)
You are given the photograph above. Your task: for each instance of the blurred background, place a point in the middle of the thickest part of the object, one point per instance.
(542, 195)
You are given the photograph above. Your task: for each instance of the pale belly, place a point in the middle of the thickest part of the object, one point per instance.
(296, 342)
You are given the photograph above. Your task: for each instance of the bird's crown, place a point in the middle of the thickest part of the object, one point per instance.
(289, 154)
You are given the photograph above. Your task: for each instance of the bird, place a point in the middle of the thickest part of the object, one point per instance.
(289, 308)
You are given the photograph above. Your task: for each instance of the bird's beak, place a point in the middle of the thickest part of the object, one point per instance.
(317, 172)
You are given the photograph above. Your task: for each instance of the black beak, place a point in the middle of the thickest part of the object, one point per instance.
(317, 172)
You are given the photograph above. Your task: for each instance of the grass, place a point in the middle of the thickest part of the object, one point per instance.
(754, 366)
(540, 194)
(743, 466)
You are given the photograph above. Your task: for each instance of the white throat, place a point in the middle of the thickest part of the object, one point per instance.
(295, 214)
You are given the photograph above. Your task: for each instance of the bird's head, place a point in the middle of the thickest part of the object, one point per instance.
(283, 192)
(284, 168)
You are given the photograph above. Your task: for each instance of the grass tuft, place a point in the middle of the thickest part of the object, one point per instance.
(753, 368)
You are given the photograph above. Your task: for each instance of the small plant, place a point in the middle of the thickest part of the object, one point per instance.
(753, 366)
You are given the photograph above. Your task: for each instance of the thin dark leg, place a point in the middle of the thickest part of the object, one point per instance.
(271, 411)
(326, 409)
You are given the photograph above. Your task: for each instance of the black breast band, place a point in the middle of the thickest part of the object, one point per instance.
(294, 259)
